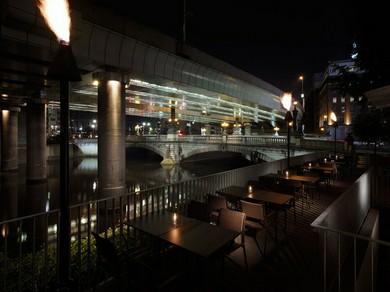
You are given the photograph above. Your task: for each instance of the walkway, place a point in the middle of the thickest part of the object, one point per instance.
(293, 264)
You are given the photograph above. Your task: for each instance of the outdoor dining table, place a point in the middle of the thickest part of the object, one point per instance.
(328, 169)
(307, 183)
(158, 223)
(299, 178)
(195, 236)
(201, 238)
(264, 196)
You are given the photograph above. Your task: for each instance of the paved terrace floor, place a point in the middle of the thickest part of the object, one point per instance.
(293, 263)
(290, 265)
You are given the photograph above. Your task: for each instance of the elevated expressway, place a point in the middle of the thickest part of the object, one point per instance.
(160, 72)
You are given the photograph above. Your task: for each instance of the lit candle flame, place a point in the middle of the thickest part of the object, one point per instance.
(57, 17)
(286, 101)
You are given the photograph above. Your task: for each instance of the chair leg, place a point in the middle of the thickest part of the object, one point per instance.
(258, 245)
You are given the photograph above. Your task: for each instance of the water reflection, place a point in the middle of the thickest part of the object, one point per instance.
(143, 171)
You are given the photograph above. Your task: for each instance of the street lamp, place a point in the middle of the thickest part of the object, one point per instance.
(295, 115)
(286, 102)
(335, 125)
(302, 94)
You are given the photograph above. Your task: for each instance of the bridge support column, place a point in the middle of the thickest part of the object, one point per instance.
(172, 154)
(36, 168)
(112, 134)
(9, 139)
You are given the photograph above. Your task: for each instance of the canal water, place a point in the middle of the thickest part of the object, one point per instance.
(143, 171)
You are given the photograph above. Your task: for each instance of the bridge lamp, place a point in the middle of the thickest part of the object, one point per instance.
(286, 102)
(137, 127)
(276, 129)
(224, 126)
(333, 117)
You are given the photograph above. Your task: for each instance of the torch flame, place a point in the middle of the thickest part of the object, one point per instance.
(57, 17)
(333, 117)
(286, 101)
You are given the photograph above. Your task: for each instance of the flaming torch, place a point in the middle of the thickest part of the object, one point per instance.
(286, 102)
(63, 68)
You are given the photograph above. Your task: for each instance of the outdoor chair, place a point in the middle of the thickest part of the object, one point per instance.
(293, 188)
(135, 271)
(199, 210)
(234, 220)
(257, 220)
(216, 203)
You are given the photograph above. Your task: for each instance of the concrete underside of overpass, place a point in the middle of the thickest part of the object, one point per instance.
(160, 72)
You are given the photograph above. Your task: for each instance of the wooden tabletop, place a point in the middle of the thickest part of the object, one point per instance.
(269, 197)
(256, 195)
(158, 223)
(324, 168)
(198, 237)
(234, 191)
(300, 178)
(202, 239)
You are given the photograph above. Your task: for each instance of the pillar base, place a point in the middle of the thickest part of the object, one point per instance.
(167, 161)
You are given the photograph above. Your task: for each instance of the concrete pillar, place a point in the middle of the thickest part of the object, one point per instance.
(36, 168)
(248, 129)
(9, 139)
(112, 134)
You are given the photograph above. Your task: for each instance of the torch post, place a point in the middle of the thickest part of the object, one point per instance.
(288, 118)
(64, 69)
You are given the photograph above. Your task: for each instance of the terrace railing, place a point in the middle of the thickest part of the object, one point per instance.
(353, 256)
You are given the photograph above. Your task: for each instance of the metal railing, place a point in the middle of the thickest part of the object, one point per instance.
(29, 245)
(353, 256)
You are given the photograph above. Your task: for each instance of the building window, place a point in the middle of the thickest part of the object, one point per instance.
(343, 99)
(334, 99)
(351, 99)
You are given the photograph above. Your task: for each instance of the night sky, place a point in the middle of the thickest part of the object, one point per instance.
(276, 41)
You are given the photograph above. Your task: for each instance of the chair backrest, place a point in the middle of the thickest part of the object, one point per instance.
(107, 255)
(216, 202)
(232, 219)
(253, 210)
(199, 210)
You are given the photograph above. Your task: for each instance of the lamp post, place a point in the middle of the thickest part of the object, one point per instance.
(295, 115)
(335, 125)
(302, 94)
(276, 129)
(286, 102)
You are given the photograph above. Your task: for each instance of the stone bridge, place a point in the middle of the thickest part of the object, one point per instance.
(254, 148)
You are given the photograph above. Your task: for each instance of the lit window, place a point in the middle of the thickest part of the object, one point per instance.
(351, 99)
(343, 99)
(334, 99)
